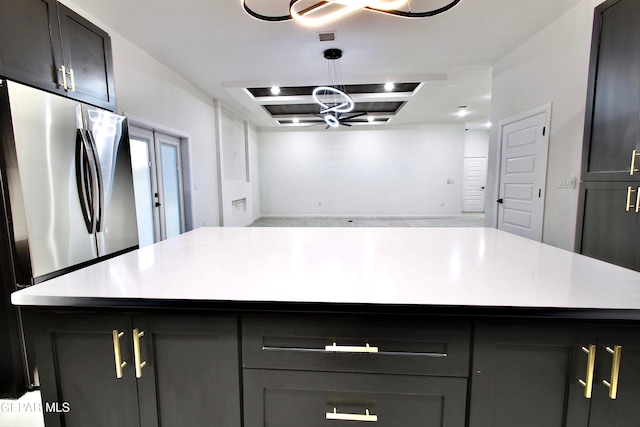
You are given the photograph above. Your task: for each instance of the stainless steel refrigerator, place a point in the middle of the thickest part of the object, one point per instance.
(67, 195)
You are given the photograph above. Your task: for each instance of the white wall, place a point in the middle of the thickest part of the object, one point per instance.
(476, 143)
(551, 67)
(233, 153)
(147, 89)
(386, 172)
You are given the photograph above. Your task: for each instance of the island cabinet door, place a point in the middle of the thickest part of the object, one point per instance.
(532, 375)
(188, 370)
(86, 369)
(616, 392)
(329, 399)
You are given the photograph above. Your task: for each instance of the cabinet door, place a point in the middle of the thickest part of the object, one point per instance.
(30, 51)
(77, 365)
(527, 376)
(191, 376)
(606, 229)
(323, 399)
(623, 410)
(87, 54)
(612, 128)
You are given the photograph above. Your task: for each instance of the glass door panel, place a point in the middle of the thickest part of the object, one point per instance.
(171, 190)
(142, 181)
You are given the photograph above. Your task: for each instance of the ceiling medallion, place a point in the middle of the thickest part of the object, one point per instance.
(318, 12)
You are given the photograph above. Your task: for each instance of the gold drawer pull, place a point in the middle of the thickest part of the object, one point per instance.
(629, 205)
(116, 353)
(136, 352)
(63, 71)
(634, 156)
(591, 363)
(612, 384)
(367, 417)
(350, 349)
(73, 80)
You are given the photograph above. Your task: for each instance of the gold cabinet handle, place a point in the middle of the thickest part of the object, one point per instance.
(63, 71)
(638, 200)
(587, 383)
(629, 205)
(612, 384)
(634, 156)
(73, 80)
(350, 349)
(335, 415)
(117, 354)
(136, 352)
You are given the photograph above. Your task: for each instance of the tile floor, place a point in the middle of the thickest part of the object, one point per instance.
(465, 220)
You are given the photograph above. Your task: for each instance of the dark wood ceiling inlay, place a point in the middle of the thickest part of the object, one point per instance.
(351, 89)
(360, 107)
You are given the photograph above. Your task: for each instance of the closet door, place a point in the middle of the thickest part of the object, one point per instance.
(612, 125)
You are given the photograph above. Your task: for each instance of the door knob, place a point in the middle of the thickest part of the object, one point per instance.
(500, 201)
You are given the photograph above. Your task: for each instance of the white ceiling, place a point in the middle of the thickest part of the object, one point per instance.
(220, 49)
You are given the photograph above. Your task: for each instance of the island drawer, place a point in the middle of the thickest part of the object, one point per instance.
(411, 345)
(321, 399)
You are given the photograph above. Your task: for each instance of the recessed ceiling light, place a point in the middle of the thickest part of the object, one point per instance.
(275, 90)
(371, 119)
(488, 124)
(389, 86)
(296, 120)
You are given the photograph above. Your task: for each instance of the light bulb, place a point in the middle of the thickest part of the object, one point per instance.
(275, 90)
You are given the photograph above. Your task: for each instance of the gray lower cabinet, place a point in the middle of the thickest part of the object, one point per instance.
(311, 371)
(315, 399)
(561, 374)
(616, 392)
(528, 375)
(175, 370)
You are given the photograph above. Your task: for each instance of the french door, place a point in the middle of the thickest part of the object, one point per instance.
(157, 176)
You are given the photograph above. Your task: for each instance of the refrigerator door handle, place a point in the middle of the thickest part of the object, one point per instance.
(84, 181)
(99, 182)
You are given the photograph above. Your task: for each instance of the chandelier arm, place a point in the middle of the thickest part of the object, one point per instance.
(264, 17)
(416, 14)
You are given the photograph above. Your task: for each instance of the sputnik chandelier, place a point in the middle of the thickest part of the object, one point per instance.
(319, 12)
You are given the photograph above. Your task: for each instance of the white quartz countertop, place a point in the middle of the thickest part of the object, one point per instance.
(468, 267)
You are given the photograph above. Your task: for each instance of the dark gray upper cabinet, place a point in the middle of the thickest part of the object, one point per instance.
(31, 50)
(608, 226)
(87, 55)
(48, 46)
(612, 125)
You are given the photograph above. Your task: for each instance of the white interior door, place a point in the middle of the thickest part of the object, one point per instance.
(474, 182)
(523, 172)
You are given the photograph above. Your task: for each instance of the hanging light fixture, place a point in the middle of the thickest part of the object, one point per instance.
(319, 12)
(333, 98)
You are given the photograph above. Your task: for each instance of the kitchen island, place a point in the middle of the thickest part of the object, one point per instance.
(323, 326)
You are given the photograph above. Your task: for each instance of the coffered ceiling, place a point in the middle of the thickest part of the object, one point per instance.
(229, 55)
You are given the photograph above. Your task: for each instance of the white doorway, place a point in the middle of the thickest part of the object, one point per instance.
(524, 147)
(474, 182)
(157, 175)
